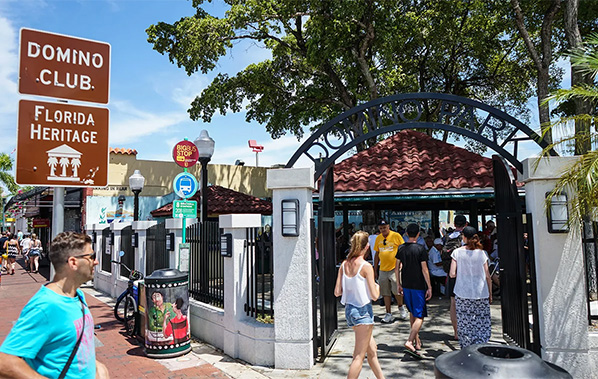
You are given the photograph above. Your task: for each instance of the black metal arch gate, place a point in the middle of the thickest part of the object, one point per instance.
(481, 122)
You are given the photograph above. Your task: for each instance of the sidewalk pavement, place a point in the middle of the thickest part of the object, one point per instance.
(122, 355)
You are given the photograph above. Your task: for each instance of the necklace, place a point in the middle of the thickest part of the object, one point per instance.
(59, 286)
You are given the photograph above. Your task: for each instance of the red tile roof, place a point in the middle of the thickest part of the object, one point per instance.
(411, 160)
(123, 151)
(224, 201)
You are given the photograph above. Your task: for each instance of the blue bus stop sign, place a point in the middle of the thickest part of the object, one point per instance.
(185, 185)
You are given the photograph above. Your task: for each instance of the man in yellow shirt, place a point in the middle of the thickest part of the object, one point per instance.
(386, 247)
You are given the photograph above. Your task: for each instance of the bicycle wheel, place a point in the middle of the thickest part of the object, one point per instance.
(130, 312)
(119, 308)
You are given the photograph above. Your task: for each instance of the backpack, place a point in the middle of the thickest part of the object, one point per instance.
(453, 242)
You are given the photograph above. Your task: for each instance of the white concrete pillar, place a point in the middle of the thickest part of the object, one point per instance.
(175, 225)
(235, 274)
(292, 270)
(140, 227)
(559, 259)
(118, 284)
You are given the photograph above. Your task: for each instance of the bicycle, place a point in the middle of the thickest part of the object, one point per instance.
(126, 309)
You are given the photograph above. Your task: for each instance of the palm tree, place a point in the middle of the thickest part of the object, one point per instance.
(583, 176)
(5, 177)
(75, 162)
(64, 162)
(52, 162)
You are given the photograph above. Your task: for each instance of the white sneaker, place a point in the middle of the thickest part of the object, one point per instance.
(404, 313)
(387, 318)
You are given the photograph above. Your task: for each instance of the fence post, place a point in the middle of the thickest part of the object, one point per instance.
(235, 277)
(293, 328)
(117, 288)
(96, 245)
(140, 228)
(562, 302)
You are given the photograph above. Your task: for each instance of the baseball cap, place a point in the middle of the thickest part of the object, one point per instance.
(438, 241)
(382, 222)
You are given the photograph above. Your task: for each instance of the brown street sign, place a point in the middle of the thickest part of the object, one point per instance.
(64, 67)
(62, 145)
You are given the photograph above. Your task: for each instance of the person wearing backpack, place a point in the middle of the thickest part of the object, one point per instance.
(454, 241)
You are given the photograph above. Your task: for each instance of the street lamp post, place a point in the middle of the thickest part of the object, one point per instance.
(136, 182)
(205, 148)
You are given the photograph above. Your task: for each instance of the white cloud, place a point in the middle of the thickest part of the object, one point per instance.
(9, 96)
(275, 152)
(128, 123)
(188, 89)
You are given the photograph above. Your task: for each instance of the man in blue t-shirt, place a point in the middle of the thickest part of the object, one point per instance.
(47, 331)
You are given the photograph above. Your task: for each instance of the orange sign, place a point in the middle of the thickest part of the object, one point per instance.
(65, 67)
(62, 145)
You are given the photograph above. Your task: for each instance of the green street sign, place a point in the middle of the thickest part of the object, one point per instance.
(184, 209)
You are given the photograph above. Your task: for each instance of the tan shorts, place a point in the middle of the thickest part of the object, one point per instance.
(388, 283)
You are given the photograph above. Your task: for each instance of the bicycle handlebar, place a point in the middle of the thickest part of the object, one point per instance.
(133, 274)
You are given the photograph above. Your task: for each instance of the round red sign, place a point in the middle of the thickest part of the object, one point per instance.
(185, 154)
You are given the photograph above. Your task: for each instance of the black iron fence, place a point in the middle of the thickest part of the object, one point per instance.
(590, 249)
(126, 245)
(260, 278)
(106, 256)
(206, 264)
(156, 255)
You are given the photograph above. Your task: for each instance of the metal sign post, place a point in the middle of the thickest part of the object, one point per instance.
(185, 185)
(59, 144)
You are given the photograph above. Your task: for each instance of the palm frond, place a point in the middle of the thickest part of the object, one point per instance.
(582, 91)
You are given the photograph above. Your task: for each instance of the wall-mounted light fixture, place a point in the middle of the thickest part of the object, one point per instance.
(135, 239)
(558, 214)
(170, 242)
(226, 245)
(290, 218)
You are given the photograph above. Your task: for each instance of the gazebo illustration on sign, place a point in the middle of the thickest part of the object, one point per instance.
(69, 161)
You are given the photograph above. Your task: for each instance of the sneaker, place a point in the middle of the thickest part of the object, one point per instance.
(387, 318)
(404, 313)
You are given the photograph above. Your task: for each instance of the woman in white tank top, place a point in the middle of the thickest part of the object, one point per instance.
(357, 288)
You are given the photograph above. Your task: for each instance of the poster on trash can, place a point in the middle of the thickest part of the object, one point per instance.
(167, 326)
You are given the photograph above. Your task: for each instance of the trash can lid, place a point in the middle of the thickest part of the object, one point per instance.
(166, 275)
(497, 361)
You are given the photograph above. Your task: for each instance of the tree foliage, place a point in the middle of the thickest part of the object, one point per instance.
(582, 178)
(6, 177)
(330, 56)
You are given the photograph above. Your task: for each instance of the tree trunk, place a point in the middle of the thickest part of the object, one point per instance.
(543, 109)
(582, 128)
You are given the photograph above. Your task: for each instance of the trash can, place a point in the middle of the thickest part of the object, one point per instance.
(495, 361)
(167, 332)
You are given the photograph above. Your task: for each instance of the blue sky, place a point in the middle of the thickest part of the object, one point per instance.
(149, 96)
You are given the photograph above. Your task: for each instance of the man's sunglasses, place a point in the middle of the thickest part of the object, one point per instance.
(92, 256)
(384, 242)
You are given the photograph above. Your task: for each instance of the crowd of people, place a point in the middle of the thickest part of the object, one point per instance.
(14, 244)
(462, 264)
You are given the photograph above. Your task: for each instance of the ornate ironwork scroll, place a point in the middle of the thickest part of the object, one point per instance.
(481, 122)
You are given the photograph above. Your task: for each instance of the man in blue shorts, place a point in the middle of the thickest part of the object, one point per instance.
(414, 285)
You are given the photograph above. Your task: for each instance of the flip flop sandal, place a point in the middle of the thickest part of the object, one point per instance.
(414, 354)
